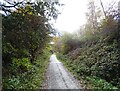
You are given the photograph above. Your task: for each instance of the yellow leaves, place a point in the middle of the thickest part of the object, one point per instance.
(28, 7)
(26, 10)
(30, 13)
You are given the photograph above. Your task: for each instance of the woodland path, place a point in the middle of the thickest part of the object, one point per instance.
(58, 77)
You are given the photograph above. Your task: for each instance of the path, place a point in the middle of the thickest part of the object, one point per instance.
(57, 76)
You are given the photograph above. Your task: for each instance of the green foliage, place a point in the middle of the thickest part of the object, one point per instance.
(101, 60)
(26, 34)
(97, 55)
(67, 43)
(100, 83)
(81, 72)
(30, 79)
(30, 37)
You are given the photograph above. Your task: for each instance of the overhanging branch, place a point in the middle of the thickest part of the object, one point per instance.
(13, 5)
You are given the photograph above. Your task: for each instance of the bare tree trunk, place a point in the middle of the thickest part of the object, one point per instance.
(103, 8)
(119, 11)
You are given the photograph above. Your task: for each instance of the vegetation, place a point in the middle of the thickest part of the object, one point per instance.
(26, 36)
(93, 56)
(31, 78)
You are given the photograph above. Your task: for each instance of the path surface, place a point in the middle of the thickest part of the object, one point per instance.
(58, 77)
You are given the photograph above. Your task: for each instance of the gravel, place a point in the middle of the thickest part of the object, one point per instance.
(58, 77)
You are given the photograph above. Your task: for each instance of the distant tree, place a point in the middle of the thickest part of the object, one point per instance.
(91, 16)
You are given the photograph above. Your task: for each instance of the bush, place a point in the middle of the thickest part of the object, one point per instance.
(30, 76)
(99, 83)
(101, 60)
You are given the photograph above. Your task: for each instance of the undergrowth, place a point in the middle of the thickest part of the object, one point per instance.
(32, 78)
(88, 82)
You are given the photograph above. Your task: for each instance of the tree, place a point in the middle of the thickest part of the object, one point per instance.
(103, 8)
(26, 29)
(91, 16)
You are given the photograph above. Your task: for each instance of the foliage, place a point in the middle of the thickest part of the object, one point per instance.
(66, 43)
(97, 54)
(81, 72)
(101, 60)
(100, 83)
(25, 32)
(30, 79)
(26, 36)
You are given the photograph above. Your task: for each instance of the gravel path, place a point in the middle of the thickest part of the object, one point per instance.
(58, 77)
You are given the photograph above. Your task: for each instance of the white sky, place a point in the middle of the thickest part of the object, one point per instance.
(73, 14)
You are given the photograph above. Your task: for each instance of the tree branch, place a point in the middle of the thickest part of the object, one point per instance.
(103, 8)
(13, 5)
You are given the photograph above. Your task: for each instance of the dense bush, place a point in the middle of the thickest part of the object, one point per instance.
(98, 53)
(26, 35)
(101, 60)
(82, 72)
(31, 76)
